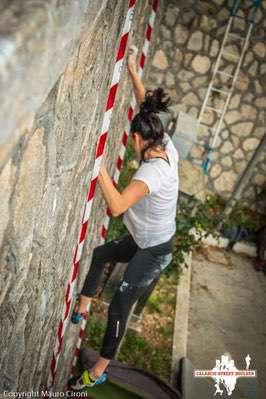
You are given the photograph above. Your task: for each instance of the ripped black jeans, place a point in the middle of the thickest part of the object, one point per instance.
(144, 267)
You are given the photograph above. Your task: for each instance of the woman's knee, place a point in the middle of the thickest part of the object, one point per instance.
(120, 305)
(124, 298)
(116, 307)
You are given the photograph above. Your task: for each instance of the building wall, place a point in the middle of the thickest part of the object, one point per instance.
(56, 67)
(187, 46)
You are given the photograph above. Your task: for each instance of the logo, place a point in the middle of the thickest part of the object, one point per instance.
(225, 374)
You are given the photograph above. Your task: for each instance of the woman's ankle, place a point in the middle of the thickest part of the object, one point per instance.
(82, 306)
(96, 373)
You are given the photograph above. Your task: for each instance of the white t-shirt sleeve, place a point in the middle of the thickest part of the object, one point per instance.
(148, 174)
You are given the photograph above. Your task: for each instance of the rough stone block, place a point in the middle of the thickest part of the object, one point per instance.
(250, 144)
(260, 49)
(181, 34)
(160, 60)
(242, 129)
(201, 64)
(224, 184)
(195, 41)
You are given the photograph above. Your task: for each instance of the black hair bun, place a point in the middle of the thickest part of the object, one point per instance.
(155, 101)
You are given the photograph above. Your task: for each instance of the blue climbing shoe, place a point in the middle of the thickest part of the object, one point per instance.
(85, 381)
(77, 317)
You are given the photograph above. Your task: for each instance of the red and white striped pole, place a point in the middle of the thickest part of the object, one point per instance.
(91, 191)
(122, 151)
(130, 112)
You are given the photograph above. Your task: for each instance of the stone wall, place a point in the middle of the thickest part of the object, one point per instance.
(187, 46)
(56, 64)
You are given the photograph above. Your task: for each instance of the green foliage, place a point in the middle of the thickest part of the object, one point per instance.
(135, 350)
(94, 333)
(138, 352)
(167, 331)
(164, 294)
(242, 215)
(203, 218)
(116, 229)
(154, 302)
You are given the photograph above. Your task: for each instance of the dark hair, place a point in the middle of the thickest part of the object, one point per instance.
(147, 123)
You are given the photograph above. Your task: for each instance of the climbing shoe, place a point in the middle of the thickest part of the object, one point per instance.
(85, 381)
(77, 317)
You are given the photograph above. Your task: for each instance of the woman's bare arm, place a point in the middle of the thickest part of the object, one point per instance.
(139, 88)
(118, 202)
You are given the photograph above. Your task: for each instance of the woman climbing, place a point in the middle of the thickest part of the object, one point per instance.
(149, 207)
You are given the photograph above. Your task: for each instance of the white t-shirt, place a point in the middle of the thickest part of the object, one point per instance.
(151, 221)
